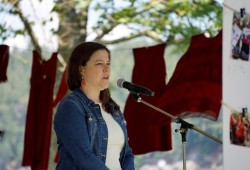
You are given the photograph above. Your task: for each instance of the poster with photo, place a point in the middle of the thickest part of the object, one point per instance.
(240, 128)
(240, 36)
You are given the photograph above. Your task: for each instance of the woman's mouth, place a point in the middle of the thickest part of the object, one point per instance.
(106, 77)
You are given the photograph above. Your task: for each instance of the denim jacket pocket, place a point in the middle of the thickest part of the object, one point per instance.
(92, 127)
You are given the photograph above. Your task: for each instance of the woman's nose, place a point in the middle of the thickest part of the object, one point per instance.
(107, 68)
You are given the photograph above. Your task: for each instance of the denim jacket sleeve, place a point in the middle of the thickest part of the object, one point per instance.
(128, 163)
(73, 140)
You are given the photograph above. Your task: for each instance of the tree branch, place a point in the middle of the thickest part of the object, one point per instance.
(132, 36)
(28, 28)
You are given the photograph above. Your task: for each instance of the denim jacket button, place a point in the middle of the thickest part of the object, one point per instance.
(125, 122)
(90, 118)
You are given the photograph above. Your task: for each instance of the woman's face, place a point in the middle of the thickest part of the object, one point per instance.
(96, 72)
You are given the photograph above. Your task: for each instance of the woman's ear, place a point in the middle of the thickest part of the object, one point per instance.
(81, 69)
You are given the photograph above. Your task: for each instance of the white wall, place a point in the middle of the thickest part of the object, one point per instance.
(236, 89)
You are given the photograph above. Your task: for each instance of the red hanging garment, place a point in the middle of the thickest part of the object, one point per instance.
(62, 90)
(4, 60)
(195, 89)
(149, 71)
(39, 113)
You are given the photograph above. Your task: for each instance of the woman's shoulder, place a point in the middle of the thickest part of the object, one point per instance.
(71, 105)
(75, 96)
(69, 98)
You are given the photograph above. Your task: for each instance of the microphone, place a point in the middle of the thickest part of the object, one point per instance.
(133, 88)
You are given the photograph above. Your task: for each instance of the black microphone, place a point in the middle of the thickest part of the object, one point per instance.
(133, 88)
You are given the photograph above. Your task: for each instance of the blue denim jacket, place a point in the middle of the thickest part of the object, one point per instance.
(82, 135)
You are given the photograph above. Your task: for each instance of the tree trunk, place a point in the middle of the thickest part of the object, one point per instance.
(72, 25)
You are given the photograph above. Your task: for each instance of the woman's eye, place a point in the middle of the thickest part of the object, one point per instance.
(100, 64)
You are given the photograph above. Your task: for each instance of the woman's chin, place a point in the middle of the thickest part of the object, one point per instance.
(106, 86)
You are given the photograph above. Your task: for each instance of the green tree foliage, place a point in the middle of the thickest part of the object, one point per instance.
(158, 20)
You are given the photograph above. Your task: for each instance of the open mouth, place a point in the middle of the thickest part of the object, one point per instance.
(106, 77)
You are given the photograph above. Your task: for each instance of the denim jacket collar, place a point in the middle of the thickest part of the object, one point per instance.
(79, 92)
(88, 101)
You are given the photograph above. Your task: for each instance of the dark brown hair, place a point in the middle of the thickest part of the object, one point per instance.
(79, 57)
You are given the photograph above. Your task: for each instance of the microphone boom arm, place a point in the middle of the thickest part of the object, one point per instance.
(175, 119)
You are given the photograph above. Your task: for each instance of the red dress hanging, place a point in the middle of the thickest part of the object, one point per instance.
(39, 113)
(195, 89)
(4, 60)
(62, 90)
(149, 71)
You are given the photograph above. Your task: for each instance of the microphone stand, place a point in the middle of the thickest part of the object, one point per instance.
(183, 129)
